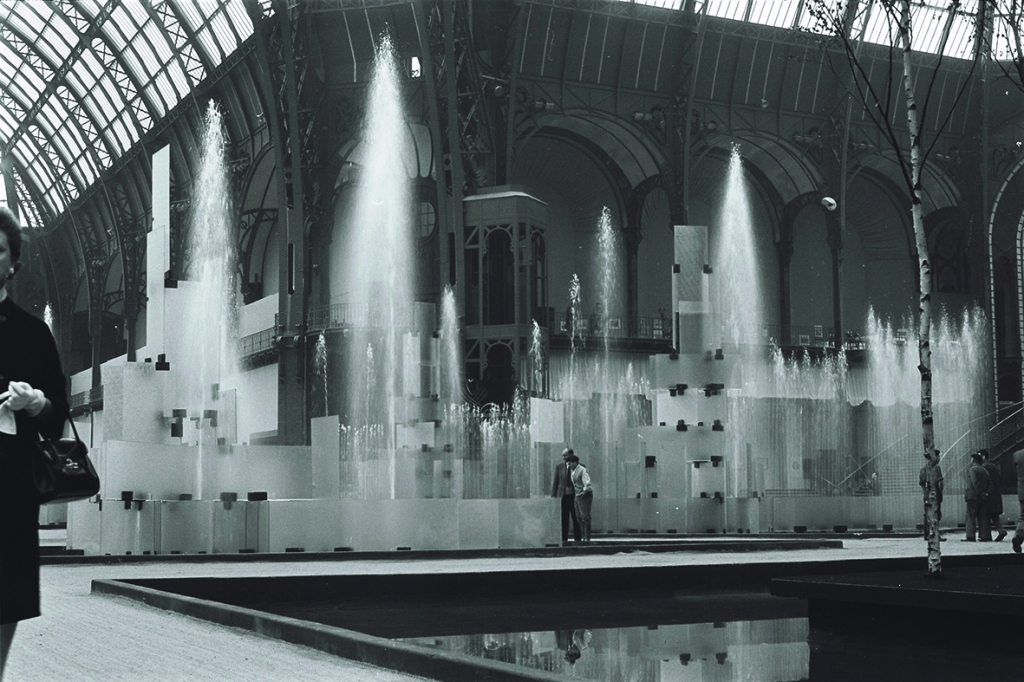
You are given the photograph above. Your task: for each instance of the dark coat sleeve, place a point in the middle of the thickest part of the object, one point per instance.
(46, 375)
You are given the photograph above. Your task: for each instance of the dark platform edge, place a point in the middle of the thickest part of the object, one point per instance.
(443, 665)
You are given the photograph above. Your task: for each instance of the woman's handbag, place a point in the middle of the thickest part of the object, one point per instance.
(61, 470)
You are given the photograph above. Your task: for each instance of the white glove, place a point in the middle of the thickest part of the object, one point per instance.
(21, 396)
(7, 423)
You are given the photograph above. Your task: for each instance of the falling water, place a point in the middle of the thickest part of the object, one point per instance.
(537, 359)
(736, 271)
(608, 259)
(379, 285)
(576, 325)
(321, 370)
(451, 357)
(960, 395)
(210, 356)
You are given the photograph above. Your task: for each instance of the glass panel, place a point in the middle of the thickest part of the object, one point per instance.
(961, 37)
(138, 12)
(158, 42)
(86, 169)
(209, 45)
(241, 21)
(225, 36)
(119, 29)
(164, 84)
(927, 25)
(774, 12)
(667, 4)
(131, 59)
(140, 45)
(1001, 45)
(732, 9)
(193, 16)
(879, 28)
(181, 83)
(7, 124)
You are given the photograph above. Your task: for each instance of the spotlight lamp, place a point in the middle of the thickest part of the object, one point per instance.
(829, 203)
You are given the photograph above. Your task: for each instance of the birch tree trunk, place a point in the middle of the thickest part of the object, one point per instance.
(933, 474)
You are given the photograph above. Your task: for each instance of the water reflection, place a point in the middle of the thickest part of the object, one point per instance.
(765, 650)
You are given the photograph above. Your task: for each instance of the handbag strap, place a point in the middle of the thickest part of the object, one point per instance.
(73, 429)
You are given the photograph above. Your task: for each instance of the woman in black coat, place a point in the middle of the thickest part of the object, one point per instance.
(33, 401)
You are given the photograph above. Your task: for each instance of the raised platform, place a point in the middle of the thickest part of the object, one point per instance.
(267, 605)
(970, 602)
(601, 546)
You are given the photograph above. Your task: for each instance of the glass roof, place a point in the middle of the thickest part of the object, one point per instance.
(928, 20)
(85, 80)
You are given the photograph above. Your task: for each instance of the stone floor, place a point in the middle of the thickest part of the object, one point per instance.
(86, 637)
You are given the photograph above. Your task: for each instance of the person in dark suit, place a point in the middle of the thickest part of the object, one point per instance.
(562, 488)
(33, 401)
(995, 497)
(976, 495)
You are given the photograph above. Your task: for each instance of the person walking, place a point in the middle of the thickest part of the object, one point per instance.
(995, 497)
(33, 401)
(1018, 536)
(562, 488)
(976, 494)
(584, 494)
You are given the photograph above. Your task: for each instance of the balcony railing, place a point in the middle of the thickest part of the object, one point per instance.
(615, 327)
(86, 399)
(254, 344)
(347, 315)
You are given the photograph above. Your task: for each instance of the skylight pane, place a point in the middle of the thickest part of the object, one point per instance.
(192, 13)
(879, 28)
(158, 43)
(225, 36)
(56, 199)
(29, 82)
(7, 124)
(73, 138)
(90, 7)
(163, 83)
(119, 131)
(47, 50)
(90, 60)
(60, 26)
(728, 9)
(1001, 45)
(243, 24)
(138, 12)
(134, 64)
(119, 28)
(181, 84)
(142, 48)
(210, 46)
(774, 12)
(961, 38)
(927, 25)
(86, 169)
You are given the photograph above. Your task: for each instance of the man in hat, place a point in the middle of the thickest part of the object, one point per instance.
(976, 494)
(995, 497)
(563, 488)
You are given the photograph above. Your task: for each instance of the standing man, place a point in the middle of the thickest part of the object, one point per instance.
(584, 494)
(1018, 536)
(995, 497)
(563, 488)
(976, 494)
